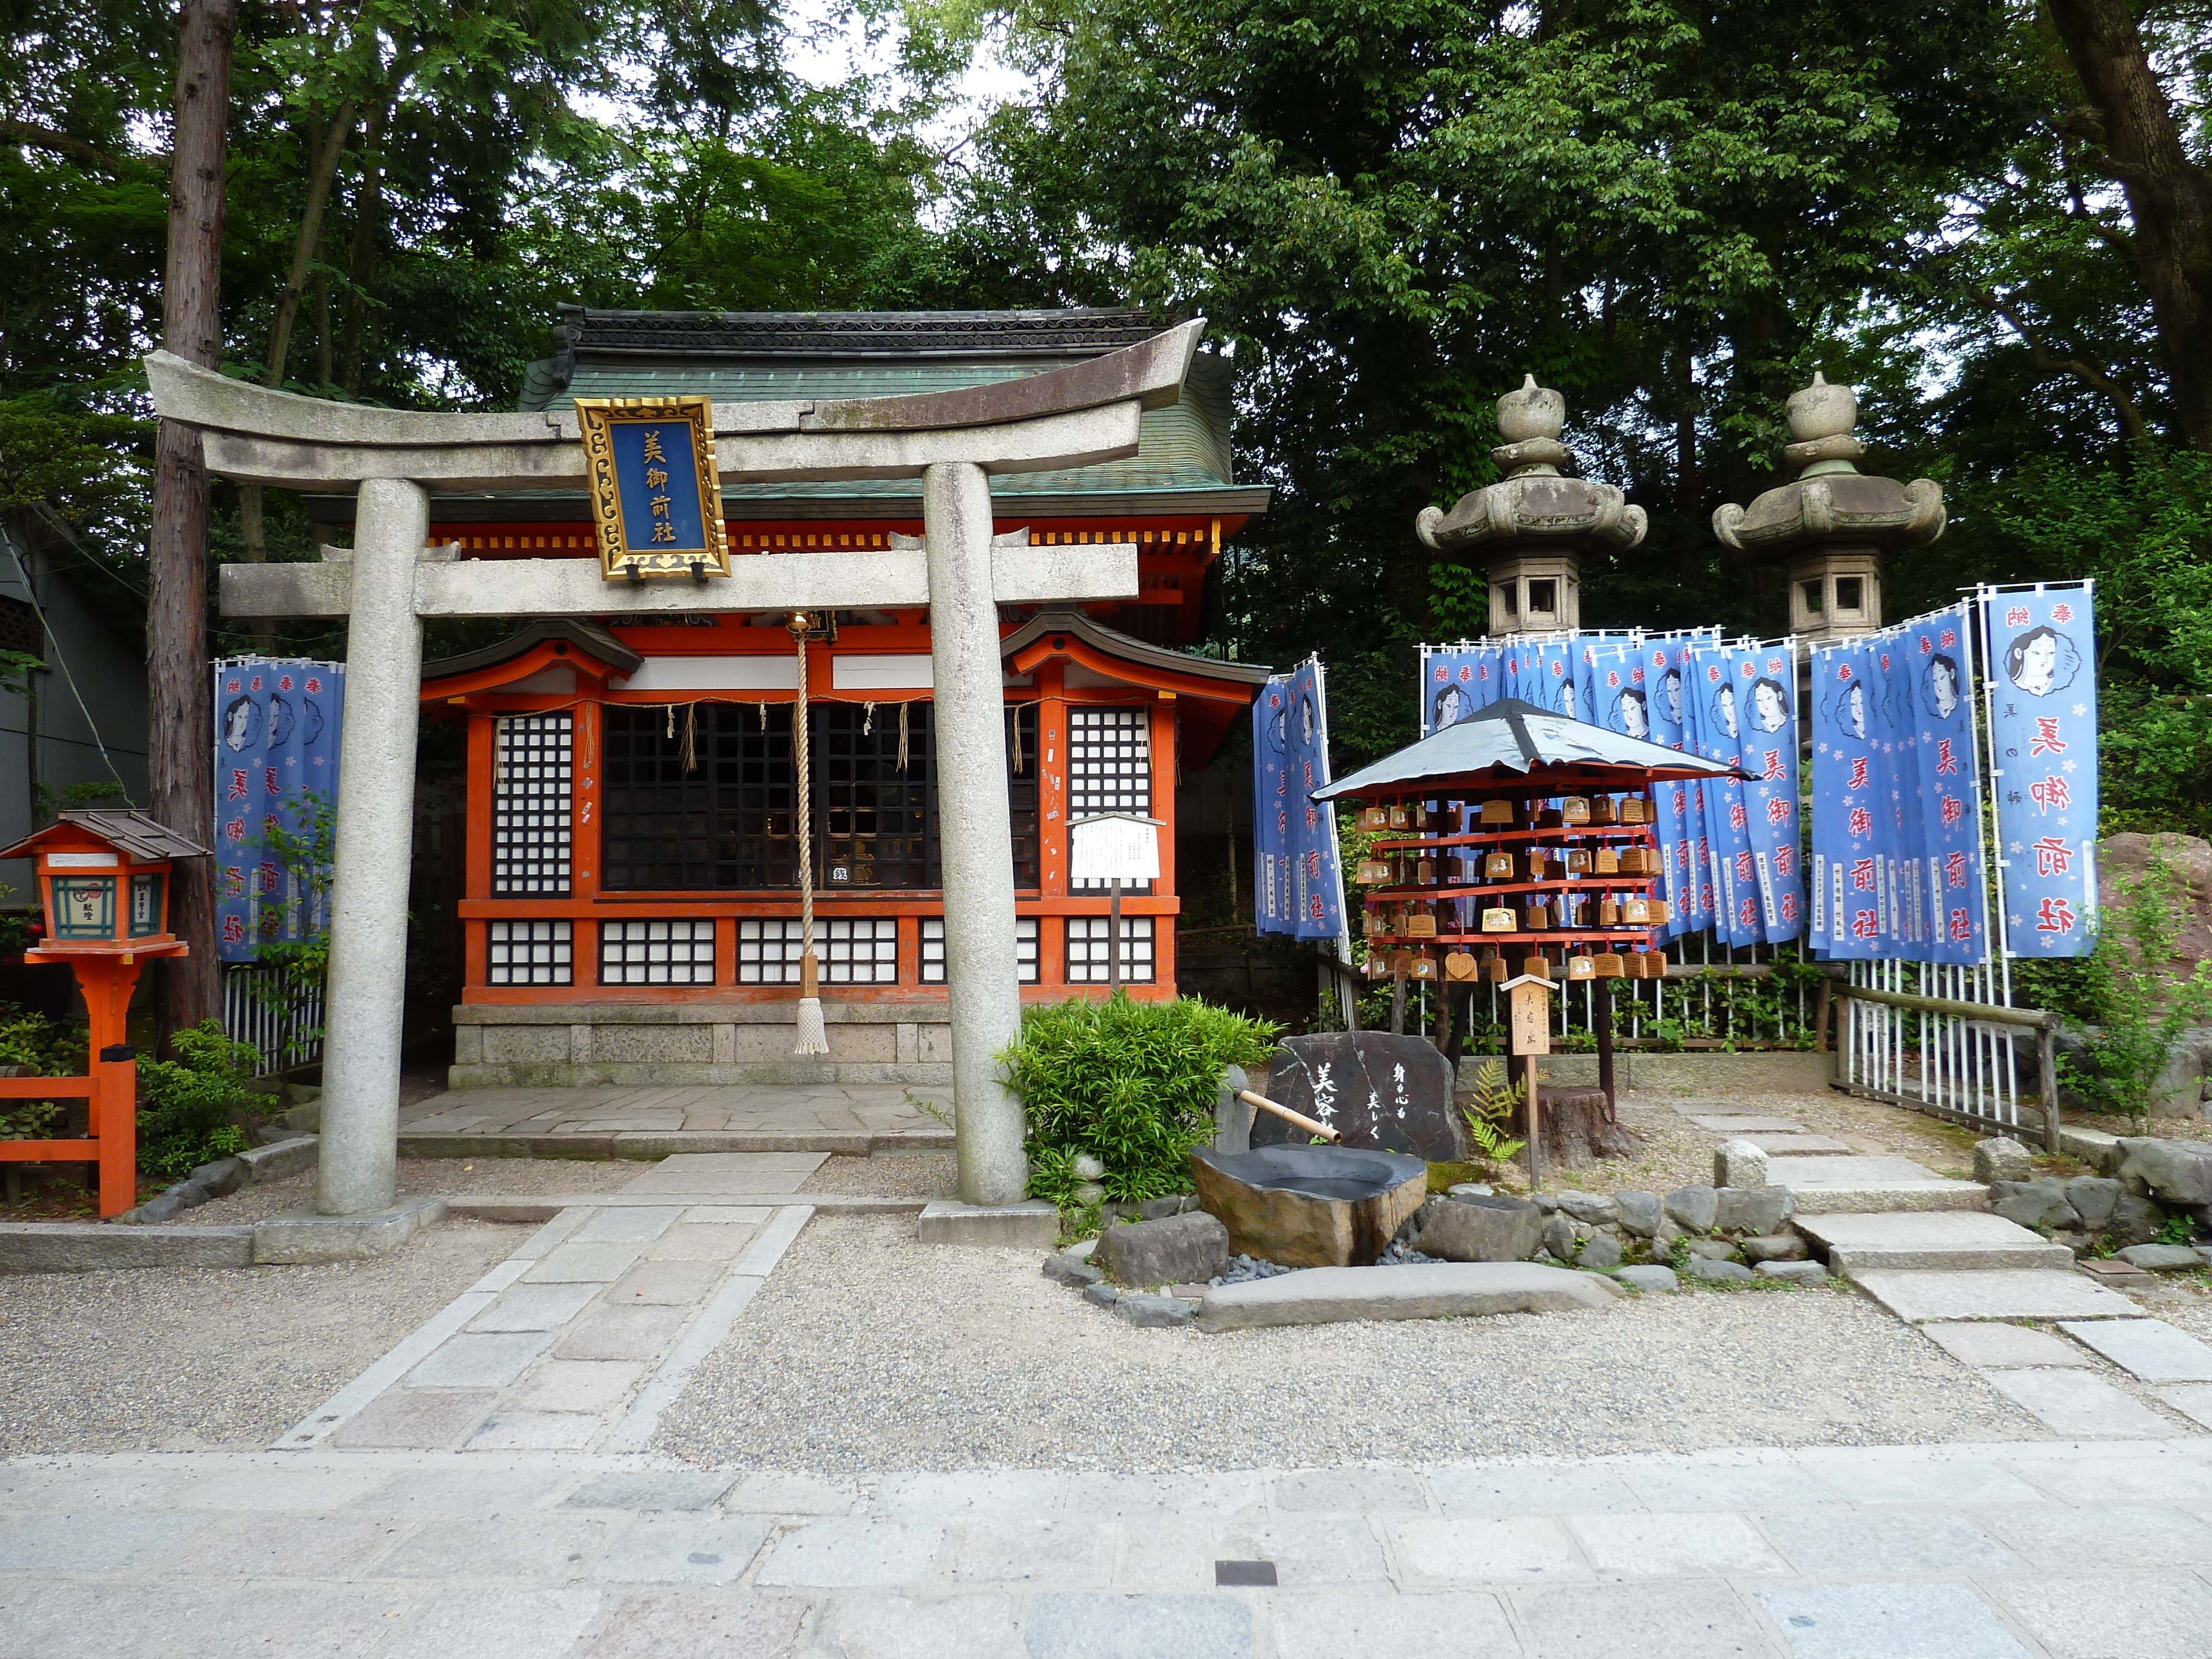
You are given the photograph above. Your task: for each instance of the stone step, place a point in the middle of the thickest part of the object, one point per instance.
(1858, 1242)
(1921, 1296)
(1737, 1124)
(649, 1144)
(1855, 1184)
(1801, 1145)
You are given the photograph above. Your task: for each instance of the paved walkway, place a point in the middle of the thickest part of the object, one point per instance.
(828, 1117)
(2008, 1551)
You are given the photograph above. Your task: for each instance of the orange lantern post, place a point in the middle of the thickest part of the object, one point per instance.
(104, 883)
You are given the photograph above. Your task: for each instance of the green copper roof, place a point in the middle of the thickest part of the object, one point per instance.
(1184, 447)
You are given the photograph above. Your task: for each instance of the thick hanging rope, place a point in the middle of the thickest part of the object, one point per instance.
(813, 1036)
(902, 759)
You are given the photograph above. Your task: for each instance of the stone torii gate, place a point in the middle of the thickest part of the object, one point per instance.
(391, 579)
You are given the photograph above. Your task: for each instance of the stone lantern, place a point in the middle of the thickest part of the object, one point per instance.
(1534, 525)
(1831, 526)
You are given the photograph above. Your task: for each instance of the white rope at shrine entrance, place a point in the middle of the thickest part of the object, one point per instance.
(813, 1035)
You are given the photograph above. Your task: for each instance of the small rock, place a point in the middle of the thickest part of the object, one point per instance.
(1102, 1294)
(2079, 1244)
(1711, 1250)
(1191, 1201)
(1559, 1238)
(1159, 1209)
(2136, 1220)
(1080, 1252)
(2163, 1258)
(225, 1175)
(1805, 1272)
(1087, 1168)
(1088, 1194)
(1153, 1312)
(2179, 1172)
(1479, 1230)
(2094, 1198)
(1758, 1210)
(1775, 1247)
(165, 1207)
(1174, 1249)
(1665, 1236)
(2002, 1159)
(1737, 1162)
(1470, 1189)
(2040, 1204)
(1065, 1271)
(1603, 1251)
(1639, 1212)
(1647, 1279)
(1692, 1208)
(1547, 1202)
(1702, 1267)
(1594, 1209)
(1187, 1292)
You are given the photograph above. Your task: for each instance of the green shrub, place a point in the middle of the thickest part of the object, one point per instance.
(188, 1107)
(1132, 1083)
(43, 1047)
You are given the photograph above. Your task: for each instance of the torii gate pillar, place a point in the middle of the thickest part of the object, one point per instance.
(953, 442)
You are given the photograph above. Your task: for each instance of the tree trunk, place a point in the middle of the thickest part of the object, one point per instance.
(361, 260)
(1578, 1129)
(2169, 196)
(180, 738)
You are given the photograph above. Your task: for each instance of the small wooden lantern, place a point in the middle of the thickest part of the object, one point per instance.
(104, 882)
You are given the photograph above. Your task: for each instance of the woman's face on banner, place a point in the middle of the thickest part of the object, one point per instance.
(1855, 710)
(1306, 718)
(1726, 702)
(2039, 664)
(1448, 706)
(1768, 708)
(1670, 695)
(1633, 716)
(1945, 680)
(238, 724)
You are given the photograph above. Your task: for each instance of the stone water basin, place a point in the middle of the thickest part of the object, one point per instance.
(1310, 1207)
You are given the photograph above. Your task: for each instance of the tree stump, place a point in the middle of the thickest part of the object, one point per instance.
(1579, 1129)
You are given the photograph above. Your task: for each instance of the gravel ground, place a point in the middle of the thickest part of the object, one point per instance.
(210, 1360)
(904, 1175)
(523, 1176)
(870, 1351)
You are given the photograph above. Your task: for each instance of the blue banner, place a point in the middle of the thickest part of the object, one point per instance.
(2040, 665)
(278, 727)
(1768, 879)
(1849, 914)
(1661, 659)
(1298, 887)
(1455, 682)
(1939, 648)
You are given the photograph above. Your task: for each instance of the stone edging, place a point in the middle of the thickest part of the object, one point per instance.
(224, 1175)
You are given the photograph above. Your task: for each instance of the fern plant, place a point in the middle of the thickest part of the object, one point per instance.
(1497, 1096)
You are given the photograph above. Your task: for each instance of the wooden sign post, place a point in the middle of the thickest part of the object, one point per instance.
(1114, 848)
(1530, 1006)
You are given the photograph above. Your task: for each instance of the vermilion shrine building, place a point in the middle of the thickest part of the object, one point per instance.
(631, 907)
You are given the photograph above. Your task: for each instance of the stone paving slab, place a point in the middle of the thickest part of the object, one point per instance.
(1865, 1184)
(2080, 1403)
(1998, 1345)
(1919, 1297)
(1952, 1239)
(2149, 1348)
(1745, 1124)
(1799, 1145)
(2192, 1399)
(732, 1173)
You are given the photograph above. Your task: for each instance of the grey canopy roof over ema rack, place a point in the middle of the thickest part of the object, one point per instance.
(1513, 737)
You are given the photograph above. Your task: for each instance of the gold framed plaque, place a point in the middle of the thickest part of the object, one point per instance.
(656, 492)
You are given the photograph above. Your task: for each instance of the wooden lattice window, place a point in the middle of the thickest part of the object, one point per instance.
(1086, 950)
(933, 950)
(653, 952)
(532, 953)
(1110, 770)
(532, 777)
(852, 949)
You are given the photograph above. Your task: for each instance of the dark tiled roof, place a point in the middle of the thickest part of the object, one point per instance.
(1115, 643)
(142, 835)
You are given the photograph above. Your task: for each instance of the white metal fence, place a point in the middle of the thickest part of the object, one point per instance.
(1944, 1040)
(260, 1007)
